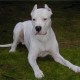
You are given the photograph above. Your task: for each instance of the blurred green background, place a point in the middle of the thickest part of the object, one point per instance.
(66, 25)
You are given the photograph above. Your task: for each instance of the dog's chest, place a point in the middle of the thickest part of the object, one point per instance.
(45, 46)
(42, 38)
(44, 42)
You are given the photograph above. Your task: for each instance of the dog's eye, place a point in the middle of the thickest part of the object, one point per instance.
(34, 19)
(45, 19)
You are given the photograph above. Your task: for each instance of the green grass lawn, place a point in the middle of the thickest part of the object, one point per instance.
(66, 25)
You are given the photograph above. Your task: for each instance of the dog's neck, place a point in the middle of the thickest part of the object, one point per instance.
(46, 37)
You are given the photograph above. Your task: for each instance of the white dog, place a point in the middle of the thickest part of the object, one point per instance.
(39, 38)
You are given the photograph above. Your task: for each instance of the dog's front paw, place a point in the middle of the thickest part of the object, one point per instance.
(76, 69)
(39, 74)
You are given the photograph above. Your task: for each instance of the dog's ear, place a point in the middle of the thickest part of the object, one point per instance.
(34, 8)
(46, 7)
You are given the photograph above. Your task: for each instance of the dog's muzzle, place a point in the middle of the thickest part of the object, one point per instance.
(38, 31)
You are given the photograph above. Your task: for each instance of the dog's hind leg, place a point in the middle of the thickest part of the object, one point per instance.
(16, 35)
(14, 44)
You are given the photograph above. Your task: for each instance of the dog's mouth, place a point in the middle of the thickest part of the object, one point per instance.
(38, 33)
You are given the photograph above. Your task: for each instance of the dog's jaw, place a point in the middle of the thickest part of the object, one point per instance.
(41, 33)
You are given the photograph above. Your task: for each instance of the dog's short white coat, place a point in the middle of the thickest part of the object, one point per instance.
(39, 44)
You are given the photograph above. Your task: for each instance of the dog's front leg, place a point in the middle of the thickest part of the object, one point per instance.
(58, 58)
(32, 56)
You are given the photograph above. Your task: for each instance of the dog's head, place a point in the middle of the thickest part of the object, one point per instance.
(41, 19)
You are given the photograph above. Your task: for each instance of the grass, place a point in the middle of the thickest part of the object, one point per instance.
(66, 24)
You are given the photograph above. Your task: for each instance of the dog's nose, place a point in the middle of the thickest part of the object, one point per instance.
(38, 28)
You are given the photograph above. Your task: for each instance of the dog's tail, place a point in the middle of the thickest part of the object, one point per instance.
(6, 45)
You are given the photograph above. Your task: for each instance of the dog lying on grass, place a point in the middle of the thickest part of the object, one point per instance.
(39, 38)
